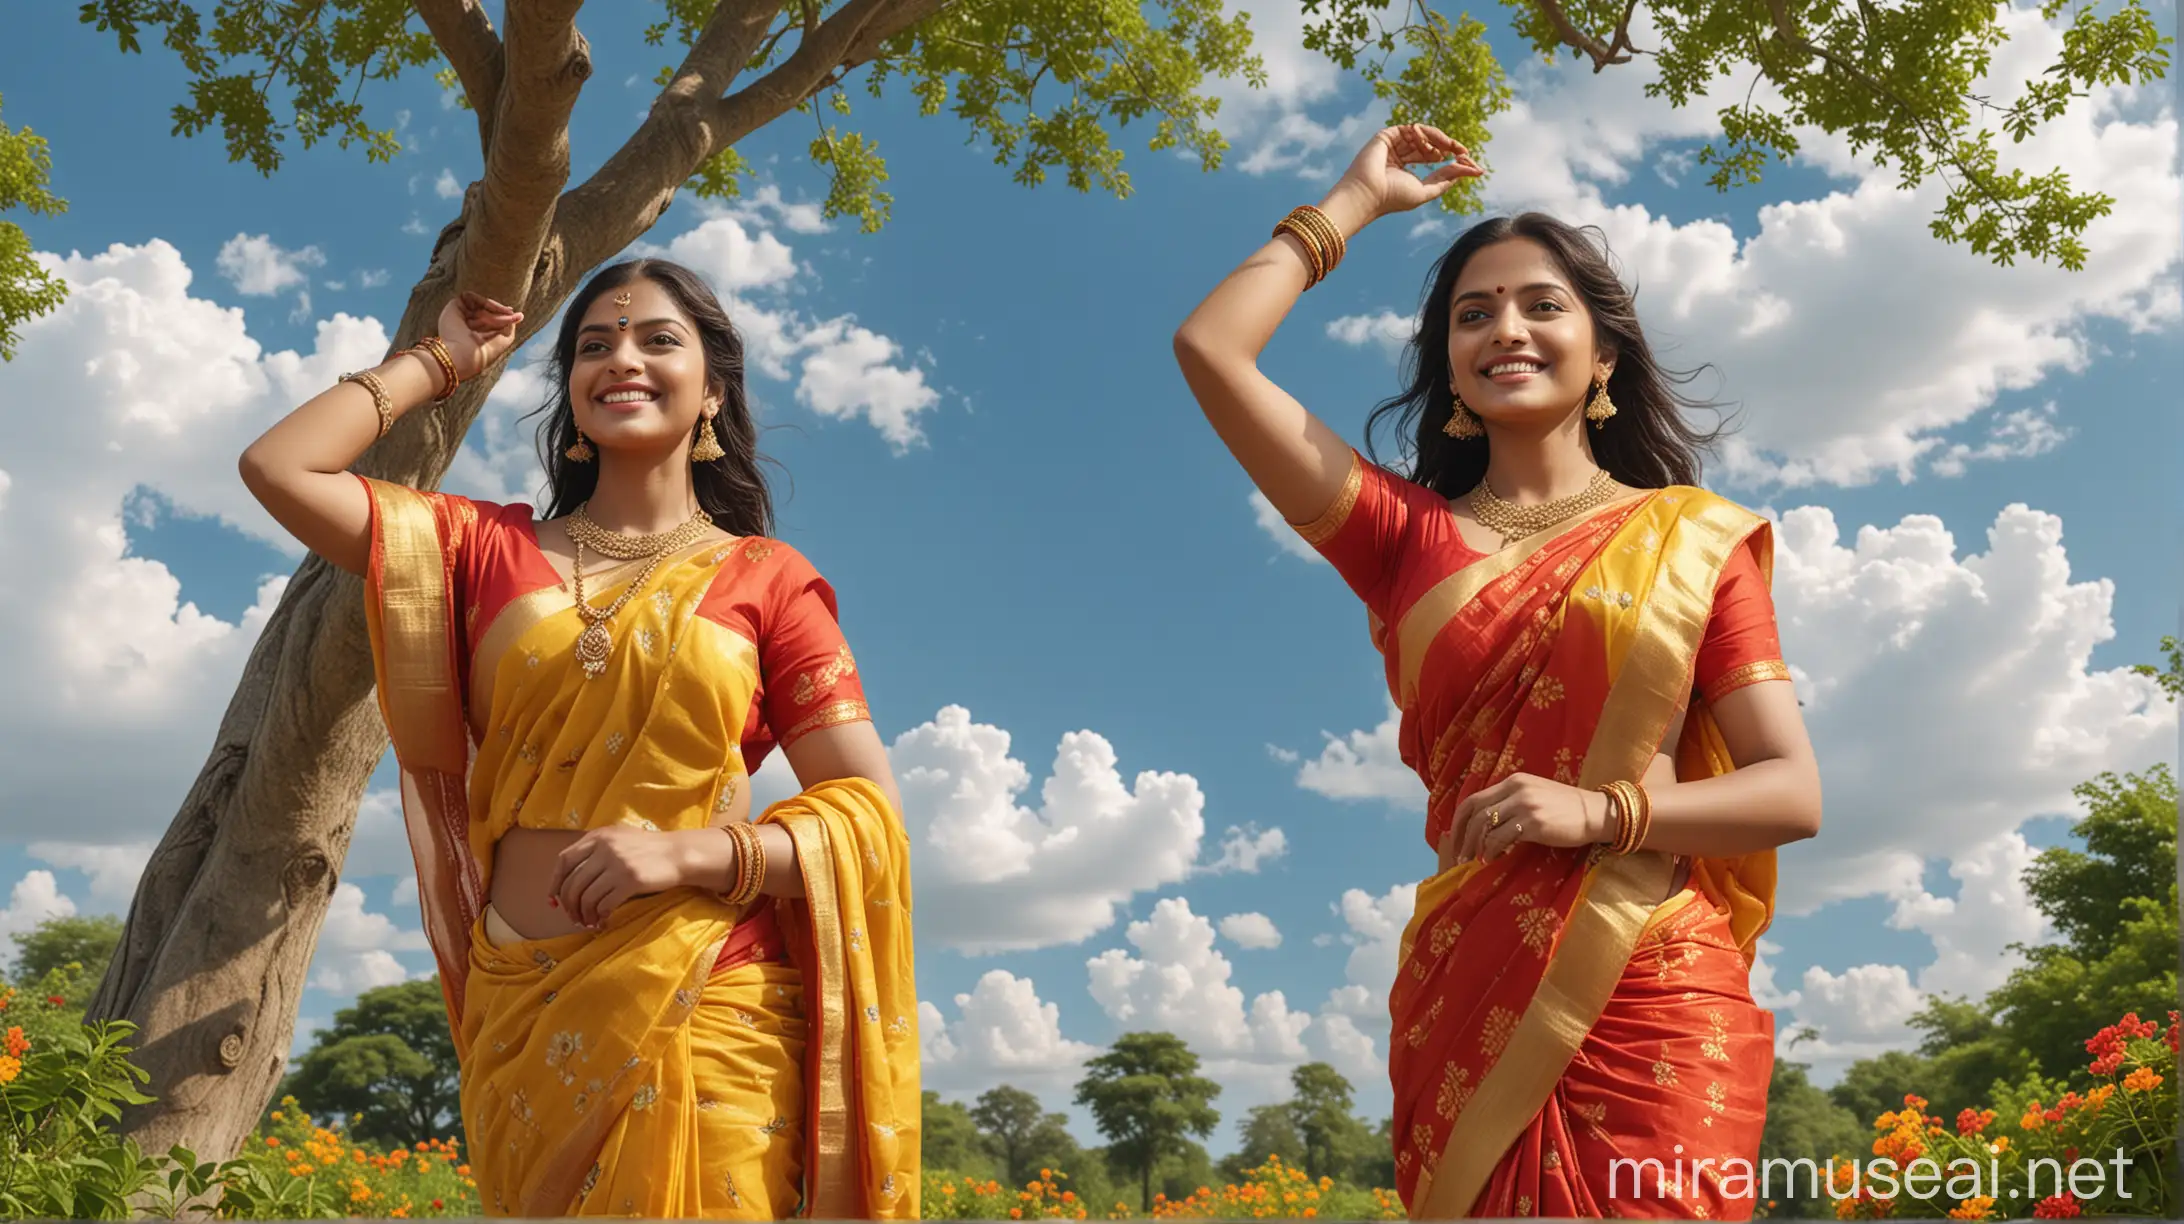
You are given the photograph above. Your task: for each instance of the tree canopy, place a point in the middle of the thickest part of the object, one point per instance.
(1048, 93)
(1147, 1097)
(390, 1059)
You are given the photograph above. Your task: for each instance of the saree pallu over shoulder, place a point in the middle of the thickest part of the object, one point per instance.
(410, 614)
(1507, 967)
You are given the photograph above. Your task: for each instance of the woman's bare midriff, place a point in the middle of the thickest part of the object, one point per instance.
(523, 867)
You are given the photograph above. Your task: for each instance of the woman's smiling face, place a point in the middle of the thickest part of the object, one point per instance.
(1520, 339)
(637, 380)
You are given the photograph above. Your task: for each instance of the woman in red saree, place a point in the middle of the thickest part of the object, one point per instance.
(1582, 647)
(665, 1005)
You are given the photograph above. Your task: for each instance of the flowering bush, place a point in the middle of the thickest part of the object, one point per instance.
(949, 1196)
(63, 1082)
(1278, 1191)
(2105, 1151)
(1274, 1190)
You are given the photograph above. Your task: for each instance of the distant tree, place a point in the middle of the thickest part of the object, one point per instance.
(389, 1058)
(1006, 1117)
(1804, 1124)
(1376, 1165)
(1873, 1086)
(87, 942)
(1146, 1095)
(1268, 1130)
(950, 1140)
(1334, 1138)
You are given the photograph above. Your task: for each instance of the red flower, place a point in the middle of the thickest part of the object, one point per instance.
(2057, 1207)
(1973, 1122)
(437, 1205)
(56, 1000)
(2070, 1155)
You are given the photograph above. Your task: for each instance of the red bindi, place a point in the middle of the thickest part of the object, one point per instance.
(1497, 288)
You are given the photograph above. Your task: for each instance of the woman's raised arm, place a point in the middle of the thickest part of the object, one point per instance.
(299, 469)
(1294, 458)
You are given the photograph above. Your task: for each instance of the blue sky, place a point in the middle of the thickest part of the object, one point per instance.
(1046, 562)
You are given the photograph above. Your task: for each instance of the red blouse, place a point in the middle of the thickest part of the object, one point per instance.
(1397, 539)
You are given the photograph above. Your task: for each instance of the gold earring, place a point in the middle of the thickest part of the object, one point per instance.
(1462, 422)
(1601, 407)
(582, 452)
(707, 447)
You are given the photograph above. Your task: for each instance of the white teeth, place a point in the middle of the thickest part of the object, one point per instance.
(1514, 367)
(625, 397)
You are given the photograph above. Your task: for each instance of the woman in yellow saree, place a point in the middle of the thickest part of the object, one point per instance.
(1583, 651)
(664, 1006)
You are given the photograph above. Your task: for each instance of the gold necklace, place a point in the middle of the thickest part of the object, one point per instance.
(595, 643)
(1512, 522)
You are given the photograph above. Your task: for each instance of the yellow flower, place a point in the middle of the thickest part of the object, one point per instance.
(9, 1069)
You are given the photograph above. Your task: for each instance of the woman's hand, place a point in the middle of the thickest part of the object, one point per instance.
(605, 867)
(478, 331)
(1380, 177)
(1522, 808)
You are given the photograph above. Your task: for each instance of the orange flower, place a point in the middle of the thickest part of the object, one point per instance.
(9, 1069)
(17, 1043)
(1973, 1208)
(2141, 1080)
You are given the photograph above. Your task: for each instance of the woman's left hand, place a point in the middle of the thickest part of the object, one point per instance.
(605, 867)
(1522, 808)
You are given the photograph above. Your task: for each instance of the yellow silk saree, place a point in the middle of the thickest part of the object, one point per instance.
(688, 1060)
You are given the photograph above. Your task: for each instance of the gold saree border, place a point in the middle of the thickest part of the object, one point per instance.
(1621, 895)
(411, 618)
(1416, 629)
(1330, 520)
(830, 1162)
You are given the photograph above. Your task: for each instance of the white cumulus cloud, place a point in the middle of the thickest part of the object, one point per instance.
(1252, 930)
(1058, 870)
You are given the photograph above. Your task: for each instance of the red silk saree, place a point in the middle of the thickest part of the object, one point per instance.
(1571, 1036)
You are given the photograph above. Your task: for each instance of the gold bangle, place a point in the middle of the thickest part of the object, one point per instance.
(436, 348)
(1310, 241)
(381, 401)
(1618, 819)
(750, 875)
(1645, 815)
(1330, 233)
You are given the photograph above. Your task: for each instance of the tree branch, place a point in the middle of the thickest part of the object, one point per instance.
(527, 165)
(627, 194)
(466, 37)
(1937, 141)
(1602, 54)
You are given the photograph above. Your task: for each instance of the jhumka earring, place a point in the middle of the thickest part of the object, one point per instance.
(582, 452)
(622, 300)
(707, 447)
(1462, 422)
(1601, 407)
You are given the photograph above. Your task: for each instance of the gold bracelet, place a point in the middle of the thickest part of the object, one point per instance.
(436, 348)
(1645, 815)
(1618, 819)
(1310, 241)
(381, 401)
(1330, 233)
(750, 875)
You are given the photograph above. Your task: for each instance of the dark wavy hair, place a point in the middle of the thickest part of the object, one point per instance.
(1647, 444)
(731, 488)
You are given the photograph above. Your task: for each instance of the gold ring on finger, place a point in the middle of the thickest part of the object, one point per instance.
(1493, 818)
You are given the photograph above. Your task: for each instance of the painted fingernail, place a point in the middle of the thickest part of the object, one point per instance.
(554, 901)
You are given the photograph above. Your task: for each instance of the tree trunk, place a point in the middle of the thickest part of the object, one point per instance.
(220, 934)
